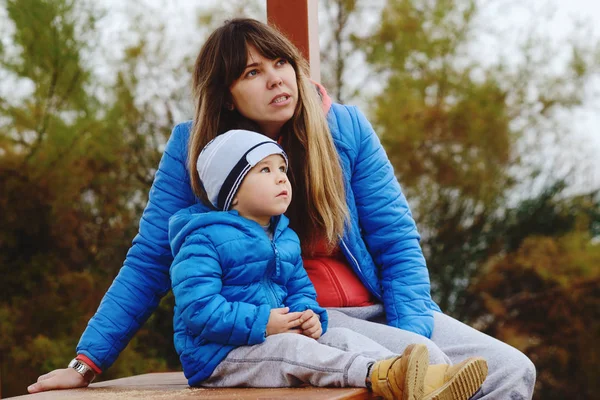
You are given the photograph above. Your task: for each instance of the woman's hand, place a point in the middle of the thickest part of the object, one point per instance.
(66, 378)
(311, 326)
(283, 321)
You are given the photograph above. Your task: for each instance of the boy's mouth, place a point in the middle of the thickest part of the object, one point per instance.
(283, 193)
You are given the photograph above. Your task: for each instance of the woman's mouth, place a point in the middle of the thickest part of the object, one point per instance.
(281, 99)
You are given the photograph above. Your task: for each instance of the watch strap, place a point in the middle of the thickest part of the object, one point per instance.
(85, 371)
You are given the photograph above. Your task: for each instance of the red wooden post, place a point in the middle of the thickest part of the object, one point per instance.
(298, 20)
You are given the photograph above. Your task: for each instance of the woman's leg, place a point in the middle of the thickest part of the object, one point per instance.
(370, 322)
(340, 358)
(511, 374)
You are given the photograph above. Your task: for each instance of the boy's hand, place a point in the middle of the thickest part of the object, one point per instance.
(283, 321)
(311, 325)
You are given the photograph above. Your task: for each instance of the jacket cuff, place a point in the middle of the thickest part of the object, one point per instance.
(89, 362)
(258, 333)
(422, 325)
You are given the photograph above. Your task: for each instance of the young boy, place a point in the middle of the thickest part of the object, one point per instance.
(246, 312)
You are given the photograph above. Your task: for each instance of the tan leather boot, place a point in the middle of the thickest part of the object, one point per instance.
(401, 377)
(456, 382)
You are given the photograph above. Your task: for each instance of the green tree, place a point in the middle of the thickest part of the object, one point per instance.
(542, 294)
(453, 128)
(74, 176)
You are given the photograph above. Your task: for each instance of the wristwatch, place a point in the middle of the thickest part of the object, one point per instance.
(85, 371)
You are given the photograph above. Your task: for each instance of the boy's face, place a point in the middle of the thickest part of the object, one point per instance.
(265, 191)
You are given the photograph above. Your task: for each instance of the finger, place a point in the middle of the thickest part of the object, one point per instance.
(307, 314)
(40, 386)
(293, 316)
(33, 388)
(283, 310)
(311, 331)
(308, 325)
(295, 323)
(317, 334)
(314, 328)
(313, 321)
(46, 376)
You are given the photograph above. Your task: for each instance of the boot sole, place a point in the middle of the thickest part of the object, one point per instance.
(464, 383)
(413, 365)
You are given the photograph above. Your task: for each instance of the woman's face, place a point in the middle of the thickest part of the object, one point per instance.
(266, 92)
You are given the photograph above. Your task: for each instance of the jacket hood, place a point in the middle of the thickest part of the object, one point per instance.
(186, 221)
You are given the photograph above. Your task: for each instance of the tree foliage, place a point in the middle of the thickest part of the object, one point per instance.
(454, 129)
(467, 143)
(74, 176)
(542, 294)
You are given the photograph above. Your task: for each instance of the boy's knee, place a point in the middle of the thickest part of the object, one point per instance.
(287, 339)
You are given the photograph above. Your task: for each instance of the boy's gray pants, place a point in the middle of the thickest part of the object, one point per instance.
(340, 358)
(291, 359)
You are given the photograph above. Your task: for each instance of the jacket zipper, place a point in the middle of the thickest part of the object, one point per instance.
(267, 278)
(350, 256)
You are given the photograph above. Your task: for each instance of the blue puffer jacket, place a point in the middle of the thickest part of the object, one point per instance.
(382, 243)
(227, 275)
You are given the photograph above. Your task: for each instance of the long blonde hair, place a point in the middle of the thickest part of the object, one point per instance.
(318, 210)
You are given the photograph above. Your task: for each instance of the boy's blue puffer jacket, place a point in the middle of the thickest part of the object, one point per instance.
(381, 243)
(227, 275)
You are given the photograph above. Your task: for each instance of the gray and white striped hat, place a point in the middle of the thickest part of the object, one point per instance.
(225, 161)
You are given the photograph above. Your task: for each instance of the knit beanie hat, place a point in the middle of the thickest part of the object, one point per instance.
(225, 161)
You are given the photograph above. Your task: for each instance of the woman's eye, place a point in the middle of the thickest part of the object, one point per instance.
(281, 61)
(252, 73)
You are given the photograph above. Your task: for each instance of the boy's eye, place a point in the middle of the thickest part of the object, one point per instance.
(282, 169)
(265, 169)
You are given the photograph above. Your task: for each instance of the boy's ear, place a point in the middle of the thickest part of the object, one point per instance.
(234, 202)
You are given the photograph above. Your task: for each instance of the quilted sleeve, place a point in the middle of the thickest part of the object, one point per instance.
(144, 278)
(390, 234)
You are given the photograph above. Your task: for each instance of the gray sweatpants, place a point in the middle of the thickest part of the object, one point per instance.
(340, 358)
(511, 374)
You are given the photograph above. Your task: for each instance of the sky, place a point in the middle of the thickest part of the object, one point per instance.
(556, 19)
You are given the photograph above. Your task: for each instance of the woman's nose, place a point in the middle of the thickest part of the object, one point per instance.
(274, 79)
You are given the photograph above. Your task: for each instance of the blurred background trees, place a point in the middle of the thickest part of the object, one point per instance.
(512, 243)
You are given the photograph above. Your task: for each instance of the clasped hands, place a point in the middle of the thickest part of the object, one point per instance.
(306, 322)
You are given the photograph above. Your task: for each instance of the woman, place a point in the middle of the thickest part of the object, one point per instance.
(360, 243)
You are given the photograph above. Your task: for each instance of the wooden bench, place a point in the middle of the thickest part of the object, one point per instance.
(173, 385)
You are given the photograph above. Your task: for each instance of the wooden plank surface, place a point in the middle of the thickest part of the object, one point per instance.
(173, 385)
